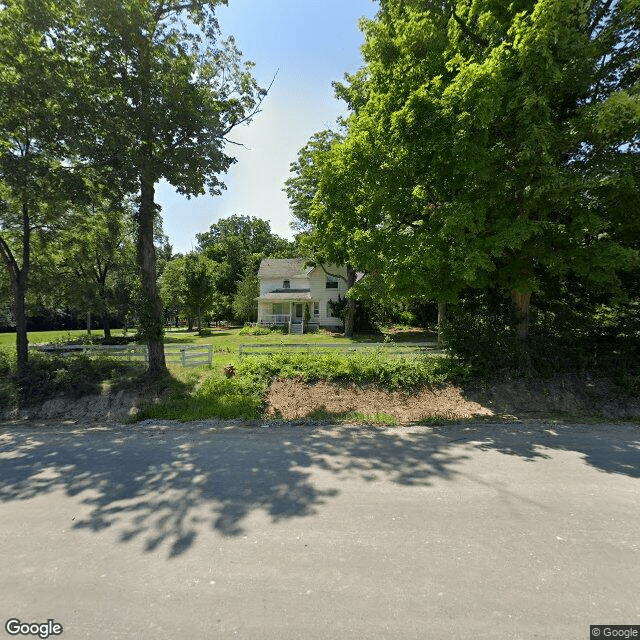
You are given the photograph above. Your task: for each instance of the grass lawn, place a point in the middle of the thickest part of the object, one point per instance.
(8, 340)
(228, 341)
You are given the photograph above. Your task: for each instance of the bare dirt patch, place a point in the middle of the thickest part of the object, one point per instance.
(291, 399)
(568, 395)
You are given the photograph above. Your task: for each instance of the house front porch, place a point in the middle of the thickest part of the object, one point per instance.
(288, 313)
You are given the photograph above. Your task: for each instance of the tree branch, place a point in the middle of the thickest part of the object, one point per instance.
(9, 259)
(333, 275)
(479, 40)
(255, 111)
(599, 16)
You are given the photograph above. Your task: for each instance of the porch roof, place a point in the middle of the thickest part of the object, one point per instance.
(292, 295)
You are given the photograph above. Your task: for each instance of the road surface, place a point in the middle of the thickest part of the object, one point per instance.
(199, 531)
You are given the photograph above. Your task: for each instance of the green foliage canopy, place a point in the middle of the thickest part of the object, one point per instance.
(490, 145)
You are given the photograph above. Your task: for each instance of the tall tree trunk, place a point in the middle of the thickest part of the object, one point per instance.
(521, 301)
(442, 316)
(20, 291)
(151, 327)
(350, 316)
(19, 311)
(106, 326)
(89, 323)
(102, 283)
(19, 276)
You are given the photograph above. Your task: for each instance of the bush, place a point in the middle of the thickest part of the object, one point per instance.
(280, 328)
(558, 342)
(248, 330)
(50, 375)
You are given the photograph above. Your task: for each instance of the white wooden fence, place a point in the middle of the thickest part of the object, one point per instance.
(185, 354)
(395, 348)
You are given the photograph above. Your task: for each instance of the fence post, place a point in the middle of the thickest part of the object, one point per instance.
(183, 356)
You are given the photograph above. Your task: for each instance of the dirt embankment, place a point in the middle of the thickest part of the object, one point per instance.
(566, 396)
(115, 407)
(292, 399)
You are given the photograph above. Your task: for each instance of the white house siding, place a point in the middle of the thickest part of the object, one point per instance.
(315, 281)
(319, 291)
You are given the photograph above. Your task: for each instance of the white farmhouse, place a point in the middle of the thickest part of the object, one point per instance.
(287, 286)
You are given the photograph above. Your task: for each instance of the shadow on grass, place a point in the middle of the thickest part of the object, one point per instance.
(179, 338)
(414, 336)
(164, 486)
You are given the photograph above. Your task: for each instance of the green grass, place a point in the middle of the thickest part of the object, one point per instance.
(213, 397)
(225, 339)
(353, 416)
(8, 340)
(369, 367)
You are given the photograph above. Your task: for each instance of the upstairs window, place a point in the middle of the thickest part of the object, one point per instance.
(286, 284)
(332, 283)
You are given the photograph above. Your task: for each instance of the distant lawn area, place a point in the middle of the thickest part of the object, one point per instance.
(229, 340)
(41, 337)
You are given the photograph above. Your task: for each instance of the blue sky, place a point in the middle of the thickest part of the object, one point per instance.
(310, 43)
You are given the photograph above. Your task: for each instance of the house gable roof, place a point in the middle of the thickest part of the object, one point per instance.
(283, 268)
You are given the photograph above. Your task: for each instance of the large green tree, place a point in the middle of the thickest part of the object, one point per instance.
(492, 145)
(188, 284)
(245, 304)
(94, 258)
(39, 87)
(168, 92)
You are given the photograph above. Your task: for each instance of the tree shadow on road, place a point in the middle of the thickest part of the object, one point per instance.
(163, 486)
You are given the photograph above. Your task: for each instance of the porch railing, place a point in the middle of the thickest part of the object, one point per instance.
(275, 319)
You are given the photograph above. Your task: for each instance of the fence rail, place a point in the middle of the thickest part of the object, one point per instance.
(185, 354)
(398, 348)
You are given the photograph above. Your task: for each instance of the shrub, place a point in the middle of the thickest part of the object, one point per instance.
(51, 375)
(248, 330)
(280, 328)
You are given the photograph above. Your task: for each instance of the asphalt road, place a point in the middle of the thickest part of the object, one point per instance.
(196, 531)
